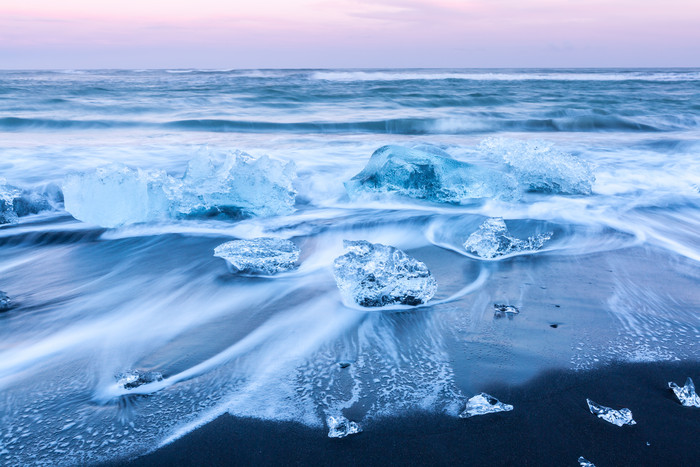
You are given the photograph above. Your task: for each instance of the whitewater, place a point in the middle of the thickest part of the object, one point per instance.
(571, 195)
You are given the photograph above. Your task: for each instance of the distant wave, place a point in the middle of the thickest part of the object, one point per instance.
(401, 126)
(505, 76)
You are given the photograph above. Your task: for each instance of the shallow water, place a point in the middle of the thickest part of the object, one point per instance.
(617, 281)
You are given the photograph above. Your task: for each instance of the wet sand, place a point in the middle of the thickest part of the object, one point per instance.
(550, 425)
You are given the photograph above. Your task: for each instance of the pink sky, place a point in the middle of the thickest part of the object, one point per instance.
(348, 33)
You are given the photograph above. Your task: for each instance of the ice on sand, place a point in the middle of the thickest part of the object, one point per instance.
(482, 404)
(492, 240)
(616, 417)
(134, 378)
(259, 256)
(686, 394)
(375, 275)
(340, 427)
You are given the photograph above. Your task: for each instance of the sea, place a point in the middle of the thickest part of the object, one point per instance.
(568, 197)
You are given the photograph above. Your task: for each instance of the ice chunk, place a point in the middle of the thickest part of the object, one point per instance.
(540, 167)
(431, 176)
(482, 404)
(5, 301)
(16, 202)
(686, 394)
(134, 378)
(492, 240)
(116, 195)
(372, 275)
(235, 186)
(616, 417)
(340, 427)
(583, 462)
(501, 311)
(259, 256)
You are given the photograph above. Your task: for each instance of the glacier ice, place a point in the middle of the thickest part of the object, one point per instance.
(373, 275)
(492, 240)
(16, 202)
(540, 167)
(686, 394)
(131, 379)
(482, 404)
(501, 311)
(259, 256)
(429, 175)
(116, 195)
(234, 185)
(583, 462)
(616, 417)
(5, 301)
(340, 427)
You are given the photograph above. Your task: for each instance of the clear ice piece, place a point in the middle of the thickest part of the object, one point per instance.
(492, 240)
(686, 394)
(430, 175)
(340, 427)
(259, 256)
(5, 301)
(482, 404)
(583, 462)
(16, 202)
(501, 311)
(235, 185)
(374, 275)
(616, 417)
(540, 167)
(134, 378)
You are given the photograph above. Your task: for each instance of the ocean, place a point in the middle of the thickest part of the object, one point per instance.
(570, 195)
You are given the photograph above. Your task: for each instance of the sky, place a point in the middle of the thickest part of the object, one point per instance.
(220, 34)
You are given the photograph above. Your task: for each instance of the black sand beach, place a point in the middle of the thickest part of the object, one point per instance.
(550, 425)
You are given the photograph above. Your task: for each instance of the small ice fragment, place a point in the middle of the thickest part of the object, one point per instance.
(5, 301)
(340, 427)
(373, 275)
(482, 404)
(131, 379)
(501, 311)
(492, 240)
(16, 202)
(616, 417)
(259, 256)
(585, 462)
(686, 394)
(429, 174)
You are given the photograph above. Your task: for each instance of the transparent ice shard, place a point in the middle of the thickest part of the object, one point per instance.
(583, 462)
(492, 240)
(430, 175)
(235, 185)
(482, 404)
(616, 417)
(131, 379)
(540, 167)
(340, 427)
(374, 275)
(259, 256)
(686, 394)
(501, 311)
(5, 301)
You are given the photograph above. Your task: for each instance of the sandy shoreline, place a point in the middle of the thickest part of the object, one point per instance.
(550, 425)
